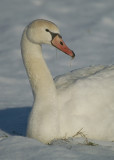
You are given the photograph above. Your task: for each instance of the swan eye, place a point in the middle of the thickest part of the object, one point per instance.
(47, 30)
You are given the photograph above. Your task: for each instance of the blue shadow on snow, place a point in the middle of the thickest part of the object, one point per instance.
(14, 120)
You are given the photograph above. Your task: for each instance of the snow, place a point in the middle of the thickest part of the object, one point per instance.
(87, 27)
(16, 147)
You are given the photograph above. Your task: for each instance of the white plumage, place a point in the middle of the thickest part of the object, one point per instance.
(83, 98)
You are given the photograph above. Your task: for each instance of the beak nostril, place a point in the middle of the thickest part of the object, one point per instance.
(61, 43)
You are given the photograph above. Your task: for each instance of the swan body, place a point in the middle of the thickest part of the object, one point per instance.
(83, 98)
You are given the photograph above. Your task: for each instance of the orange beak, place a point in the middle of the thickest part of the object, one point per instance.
(60, 44)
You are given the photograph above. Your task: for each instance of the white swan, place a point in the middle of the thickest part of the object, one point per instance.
(83, 98)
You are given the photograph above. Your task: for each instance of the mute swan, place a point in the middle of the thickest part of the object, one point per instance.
(83, 98)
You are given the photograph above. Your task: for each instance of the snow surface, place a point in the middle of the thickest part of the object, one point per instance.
(87, 27)
(20, 148)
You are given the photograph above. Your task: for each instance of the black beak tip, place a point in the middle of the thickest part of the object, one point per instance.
(73, 56)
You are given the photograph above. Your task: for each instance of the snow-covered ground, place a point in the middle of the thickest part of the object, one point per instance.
(87, 27)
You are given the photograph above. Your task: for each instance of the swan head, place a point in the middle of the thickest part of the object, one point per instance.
(46, 32)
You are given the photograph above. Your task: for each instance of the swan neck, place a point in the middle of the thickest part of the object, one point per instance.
(39, 76)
